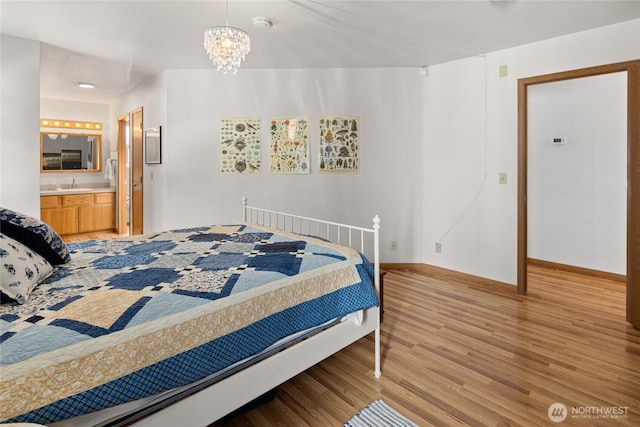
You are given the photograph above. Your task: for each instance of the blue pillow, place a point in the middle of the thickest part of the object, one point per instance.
(34, 234)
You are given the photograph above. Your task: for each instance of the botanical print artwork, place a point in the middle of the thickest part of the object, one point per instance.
(339, 144)
(240, 144)
(289, 145)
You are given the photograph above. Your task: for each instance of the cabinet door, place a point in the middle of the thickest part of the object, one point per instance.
(101, 216)
(96, 218)
(63, 220)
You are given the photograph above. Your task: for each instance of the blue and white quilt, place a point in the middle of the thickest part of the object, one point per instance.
(129, 318)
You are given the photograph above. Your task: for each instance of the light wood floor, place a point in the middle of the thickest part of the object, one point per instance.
(459, 353)
(92, 236)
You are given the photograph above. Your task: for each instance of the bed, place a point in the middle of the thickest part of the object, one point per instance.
(180, 327)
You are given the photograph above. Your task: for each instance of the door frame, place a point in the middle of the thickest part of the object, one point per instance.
(632, 68)
(130, 216)
(123, 178)
(136, 197)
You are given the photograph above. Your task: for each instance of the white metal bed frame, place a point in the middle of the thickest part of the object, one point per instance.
(214, 402)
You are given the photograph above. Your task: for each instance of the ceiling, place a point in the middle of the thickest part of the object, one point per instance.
(120, 44)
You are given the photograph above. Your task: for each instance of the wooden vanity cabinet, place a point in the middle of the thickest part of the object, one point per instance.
(79, 213)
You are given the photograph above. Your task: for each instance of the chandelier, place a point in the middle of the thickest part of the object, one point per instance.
(226, 46)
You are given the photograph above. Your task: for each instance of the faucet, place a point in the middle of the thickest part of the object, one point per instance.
(73, 183)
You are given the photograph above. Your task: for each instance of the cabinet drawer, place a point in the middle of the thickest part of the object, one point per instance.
(105, 198)
(77, 200)
(48, 202)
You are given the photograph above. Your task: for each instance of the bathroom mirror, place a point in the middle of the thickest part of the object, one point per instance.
(70, 152)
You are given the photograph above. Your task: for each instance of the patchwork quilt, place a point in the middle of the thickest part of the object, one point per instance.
(130, 318)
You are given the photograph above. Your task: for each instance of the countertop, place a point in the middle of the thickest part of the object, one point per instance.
(81, 190)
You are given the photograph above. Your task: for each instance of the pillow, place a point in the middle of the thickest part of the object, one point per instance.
(21, 269)
(34, 234)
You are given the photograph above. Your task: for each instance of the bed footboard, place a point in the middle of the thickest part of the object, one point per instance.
(364, 240)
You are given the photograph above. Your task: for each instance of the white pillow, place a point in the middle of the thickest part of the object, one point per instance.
(21, 269)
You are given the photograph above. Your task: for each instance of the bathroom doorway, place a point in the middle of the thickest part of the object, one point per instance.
(130, 169)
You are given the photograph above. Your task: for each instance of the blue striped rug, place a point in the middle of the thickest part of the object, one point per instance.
(379, 414)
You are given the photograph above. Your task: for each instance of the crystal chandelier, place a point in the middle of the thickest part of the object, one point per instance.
(226, 46)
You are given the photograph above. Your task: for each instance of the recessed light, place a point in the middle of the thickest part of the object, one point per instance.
(86, 85)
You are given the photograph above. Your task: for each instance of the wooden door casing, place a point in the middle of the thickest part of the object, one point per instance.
(137, 185)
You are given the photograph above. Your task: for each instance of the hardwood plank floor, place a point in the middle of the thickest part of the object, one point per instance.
(460, 353)
(98, 235)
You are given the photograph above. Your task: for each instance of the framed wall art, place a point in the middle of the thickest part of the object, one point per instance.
(240, 145)
(339, 144)
(153, 145)
(289, 145)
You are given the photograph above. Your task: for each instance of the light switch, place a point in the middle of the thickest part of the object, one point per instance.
(502, 178)
(502, 71)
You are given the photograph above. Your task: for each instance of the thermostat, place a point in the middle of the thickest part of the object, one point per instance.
(558, 140)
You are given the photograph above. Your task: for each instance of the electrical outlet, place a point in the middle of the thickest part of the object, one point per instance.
(438, 247)
(394, 245)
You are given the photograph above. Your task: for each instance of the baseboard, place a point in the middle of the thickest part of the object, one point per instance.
(580, 270)
(444, 272)
(399, 266)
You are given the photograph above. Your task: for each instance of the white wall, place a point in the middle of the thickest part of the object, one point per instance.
(577, 192)
(80, 111)
(388, 102)
(19, 135)
(459, 118)
(417, 208)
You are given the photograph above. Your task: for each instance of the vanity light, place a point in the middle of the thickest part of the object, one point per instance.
(50, 123)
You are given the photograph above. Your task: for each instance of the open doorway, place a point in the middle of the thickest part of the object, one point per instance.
(632, 68)
(130, 170)
(577, 175)
(124, 142)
